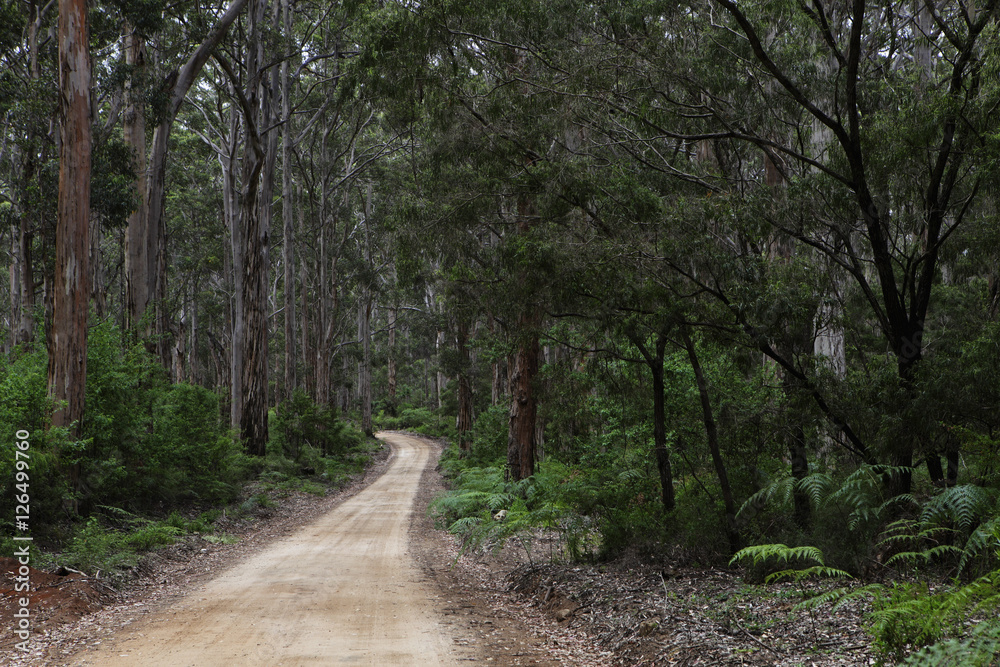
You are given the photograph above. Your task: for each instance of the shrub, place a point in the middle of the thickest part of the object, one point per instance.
(190, 456)
(300, 424)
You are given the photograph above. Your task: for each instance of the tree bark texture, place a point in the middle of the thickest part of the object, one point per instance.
(137, 244)
(523, 411)
(253, 422)
(287, 210)
(68, 358)
(523, 404)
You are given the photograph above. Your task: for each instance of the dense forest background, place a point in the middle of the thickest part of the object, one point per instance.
(681, 278)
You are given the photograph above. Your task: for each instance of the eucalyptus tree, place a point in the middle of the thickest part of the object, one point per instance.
(876, 120)
(68, 358)
(146, 263)
(900, 92)
(28, 181)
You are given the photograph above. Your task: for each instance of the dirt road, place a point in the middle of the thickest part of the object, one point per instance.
(341, 590)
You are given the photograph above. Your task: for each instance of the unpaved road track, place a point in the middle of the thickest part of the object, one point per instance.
(341, 590)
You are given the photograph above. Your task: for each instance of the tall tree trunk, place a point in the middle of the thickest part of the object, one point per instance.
(523, 404)
(523, 408)
(269, 93)
(98, 275)
(712, 435)
(22, 284)
(287, 209)
(364, 327)
(304, 311)
(237, 334)
(439, 376)
(253, 424)
(365, 365)
(194, 371)
(324, 326)
(22, 272)
(137, 281)
(68, 360)
(391, 364)
(660, 439)
(465, 418)
(654, 361)
(176, 85)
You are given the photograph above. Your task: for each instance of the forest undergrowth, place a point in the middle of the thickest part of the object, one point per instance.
(153, 462)
(919, 571)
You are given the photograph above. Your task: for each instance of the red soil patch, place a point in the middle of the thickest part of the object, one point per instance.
(54, 598)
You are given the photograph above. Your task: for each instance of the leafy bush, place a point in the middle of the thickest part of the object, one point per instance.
(419, 420)
(300, 424)
(190, 456)
(95, 548)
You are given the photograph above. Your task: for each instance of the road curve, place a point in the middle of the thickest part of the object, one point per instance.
(341, 590)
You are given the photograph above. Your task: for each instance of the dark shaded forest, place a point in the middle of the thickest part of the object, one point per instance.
(710, 282)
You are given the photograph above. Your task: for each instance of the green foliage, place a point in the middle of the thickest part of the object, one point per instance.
(418, 420)
(300, 425)
(978, 648)
(769, 554)
(112, 188)
(190, 454)
(310, 449)
(914, 616)
(94, 548)
(857, 501)
(957, 526)
(488, 511)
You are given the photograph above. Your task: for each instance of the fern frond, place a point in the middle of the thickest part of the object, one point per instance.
(762, 552)
(799, 575)
(963, 505)
(465, 525)
(983, 537)
(816, 486)
(779, 491)
(928, 555)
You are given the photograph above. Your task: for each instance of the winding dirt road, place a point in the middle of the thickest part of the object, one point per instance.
(341, 590)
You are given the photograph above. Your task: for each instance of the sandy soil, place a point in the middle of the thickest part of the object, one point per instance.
(341, 590)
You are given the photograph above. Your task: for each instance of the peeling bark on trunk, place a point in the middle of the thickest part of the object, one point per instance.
(71, 291)
(253, 423)
(237, 332)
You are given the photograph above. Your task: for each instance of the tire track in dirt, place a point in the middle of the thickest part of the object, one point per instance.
(340, 590)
